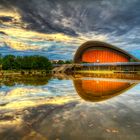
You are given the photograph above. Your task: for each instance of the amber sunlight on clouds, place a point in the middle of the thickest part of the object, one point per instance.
(57, 28)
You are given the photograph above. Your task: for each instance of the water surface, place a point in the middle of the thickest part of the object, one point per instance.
(70, 108)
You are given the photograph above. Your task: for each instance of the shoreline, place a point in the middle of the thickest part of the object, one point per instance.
(45, 72)
(24, 72)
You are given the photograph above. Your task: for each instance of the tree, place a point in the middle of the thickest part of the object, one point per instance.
(36, 62)
(8, 62)
(68, 62)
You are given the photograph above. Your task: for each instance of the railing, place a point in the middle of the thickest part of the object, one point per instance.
(111, 64)
(102, 64)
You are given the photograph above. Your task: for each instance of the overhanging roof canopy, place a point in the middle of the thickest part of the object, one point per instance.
(91, 44)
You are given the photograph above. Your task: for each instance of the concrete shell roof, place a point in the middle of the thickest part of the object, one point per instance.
(91, 44)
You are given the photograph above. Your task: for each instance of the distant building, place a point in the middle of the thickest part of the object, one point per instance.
(54, 61)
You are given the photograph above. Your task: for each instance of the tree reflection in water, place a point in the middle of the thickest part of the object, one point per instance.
(25, 80)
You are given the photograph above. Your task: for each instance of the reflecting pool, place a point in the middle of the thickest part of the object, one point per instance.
(97, 107)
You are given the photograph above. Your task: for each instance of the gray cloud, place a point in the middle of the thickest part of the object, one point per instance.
(73, 16)
(119, 20)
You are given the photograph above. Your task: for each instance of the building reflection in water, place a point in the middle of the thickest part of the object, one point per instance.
(97, 87)
(101, 89)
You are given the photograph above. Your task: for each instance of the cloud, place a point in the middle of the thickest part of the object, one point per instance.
(61, 26)
(79, 16)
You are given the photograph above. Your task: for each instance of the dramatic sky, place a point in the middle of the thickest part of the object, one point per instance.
(56, 28)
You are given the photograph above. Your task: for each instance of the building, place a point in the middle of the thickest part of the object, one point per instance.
(100, 52)
(96, 55)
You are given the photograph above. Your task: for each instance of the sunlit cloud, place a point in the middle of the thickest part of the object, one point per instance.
(57, 30)
(22, 97)
(22, 40)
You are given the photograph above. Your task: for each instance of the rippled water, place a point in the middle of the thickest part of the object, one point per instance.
(70, 108)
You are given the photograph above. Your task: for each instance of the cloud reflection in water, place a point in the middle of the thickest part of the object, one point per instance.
(55, 110)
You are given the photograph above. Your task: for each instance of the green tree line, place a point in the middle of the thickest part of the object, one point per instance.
(36, 62)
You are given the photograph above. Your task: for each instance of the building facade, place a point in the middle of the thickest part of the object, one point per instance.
(100, 52)
(100, 56)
